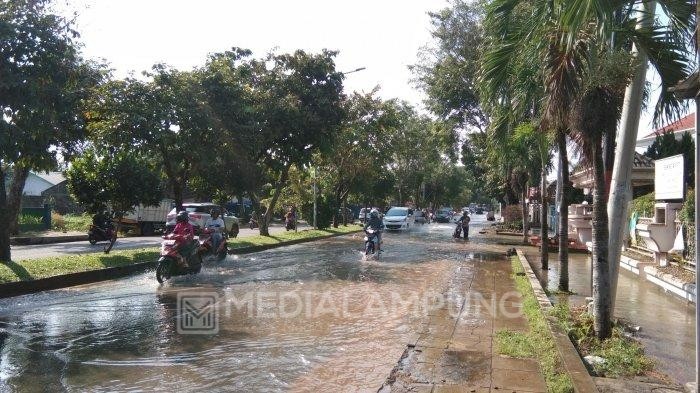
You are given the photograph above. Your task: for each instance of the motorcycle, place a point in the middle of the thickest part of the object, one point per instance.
(458, 231)
(371, 241)
(98, 234)
(206, 244)
(252, 224)
(167, 263)
(290, 224)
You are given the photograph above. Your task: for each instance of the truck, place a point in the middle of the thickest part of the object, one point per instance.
(148, 219)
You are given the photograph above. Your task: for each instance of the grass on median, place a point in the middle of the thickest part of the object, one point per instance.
(250, 241)
(33, 269)
(624, 356)
(538, 341)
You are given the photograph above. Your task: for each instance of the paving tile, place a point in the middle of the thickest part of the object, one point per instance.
(508, 363)
(521, 381)
(460, 389)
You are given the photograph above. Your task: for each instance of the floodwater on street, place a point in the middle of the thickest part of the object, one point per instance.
(311, 317)
(667, 322)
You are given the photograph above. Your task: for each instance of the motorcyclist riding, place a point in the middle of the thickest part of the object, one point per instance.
(217, 224)
(183, 235)
(376, 223)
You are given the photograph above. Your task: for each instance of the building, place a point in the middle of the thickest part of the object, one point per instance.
(678, 127)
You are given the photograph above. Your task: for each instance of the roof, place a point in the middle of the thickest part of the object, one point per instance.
(642, 161)
(642, 173)
(685, 123)
(51, 177)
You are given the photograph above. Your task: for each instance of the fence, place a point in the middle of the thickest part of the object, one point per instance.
(36, 218)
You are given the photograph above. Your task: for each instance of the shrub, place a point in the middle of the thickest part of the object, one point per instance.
(324, 212)
(512, 213)
(57, 222)
(644, 205)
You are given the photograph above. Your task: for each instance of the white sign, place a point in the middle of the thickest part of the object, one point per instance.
(668, 178)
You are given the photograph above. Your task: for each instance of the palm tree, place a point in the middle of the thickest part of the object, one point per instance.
(570, 43)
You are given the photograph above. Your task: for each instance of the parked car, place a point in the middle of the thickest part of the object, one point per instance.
(398, 218)
(443, 215)
(199, 213)
(364, 213)
(419, 217)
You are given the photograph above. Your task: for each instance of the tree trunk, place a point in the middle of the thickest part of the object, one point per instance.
(177, 194)
(602, 310)
(265, 219)
(563, 213)
(544, 250)
(4, 218)
(620, 184)
(526, 221)
(14, 198)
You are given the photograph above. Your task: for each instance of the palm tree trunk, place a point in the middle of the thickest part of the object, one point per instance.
(544, 250)
(602, 303)
(265, 219)
(620, 184)
(526, 223)
(563, 213)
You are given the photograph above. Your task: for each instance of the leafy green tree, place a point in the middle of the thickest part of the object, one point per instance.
(168, 118)
(232, 168)
(298, 111)
(447, 70)
(44, 81)
(118, 180)
(666, 145)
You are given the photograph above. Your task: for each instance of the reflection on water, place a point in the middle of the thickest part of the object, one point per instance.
(668, 323)
(121, 335)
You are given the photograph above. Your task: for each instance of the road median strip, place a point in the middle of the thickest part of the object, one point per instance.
(34, 275)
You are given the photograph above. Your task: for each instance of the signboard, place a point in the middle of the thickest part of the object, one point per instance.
(668, 178)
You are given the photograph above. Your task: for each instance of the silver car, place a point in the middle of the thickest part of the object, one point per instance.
(199, 213)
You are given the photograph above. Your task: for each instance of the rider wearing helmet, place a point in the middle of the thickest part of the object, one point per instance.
(184, 233)
(376, 223)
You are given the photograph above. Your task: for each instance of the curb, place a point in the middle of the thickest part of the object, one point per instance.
(26, 241)
(647, 271)
(18, 288)
(251, 249)
(582, 380)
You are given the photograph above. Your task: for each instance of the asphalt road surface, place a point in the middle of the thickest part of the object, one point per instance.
(123, 243)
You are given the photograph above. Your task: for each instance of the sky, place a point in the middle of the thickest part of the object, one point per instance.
(382, 35)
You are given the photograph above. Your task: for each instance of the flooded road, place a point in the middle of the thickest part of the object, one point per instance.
(312, 317)
(667, 322)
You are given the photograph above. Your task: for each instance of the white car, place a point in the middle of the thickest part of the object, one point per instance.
(398, 218)
(199, 213)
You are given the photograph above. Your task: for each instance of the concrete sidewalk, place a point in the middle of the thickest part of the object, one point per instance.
(456, 350)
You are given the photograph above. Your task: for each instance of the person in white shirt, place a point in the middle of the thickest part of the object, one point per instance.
(217, 224)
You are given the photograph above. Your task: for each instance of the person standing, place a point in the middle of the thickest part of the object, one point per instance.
(464, 220)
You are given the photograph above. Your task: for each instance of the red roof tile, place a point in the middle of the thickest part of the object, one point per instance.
(682, 124)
